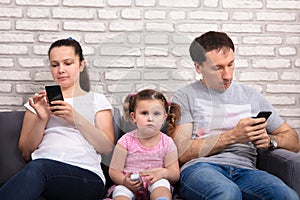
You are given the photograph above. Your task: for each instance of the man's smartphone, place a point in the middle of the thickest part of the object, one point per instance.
(54, 93)
(263, 114)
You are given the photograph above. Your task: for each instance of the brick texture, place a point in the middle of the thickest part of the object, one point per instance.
(134, 44)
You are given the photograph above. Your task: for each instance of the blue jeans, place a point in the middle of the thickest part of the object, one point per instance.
(213, 181)
(53, 180)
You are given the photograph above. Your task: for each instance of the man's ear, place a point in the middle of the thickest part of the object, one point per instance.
(197, 67)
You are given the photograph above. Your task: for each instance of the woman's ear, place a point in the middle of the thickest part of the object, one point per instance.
(82, 66)
(197, 67)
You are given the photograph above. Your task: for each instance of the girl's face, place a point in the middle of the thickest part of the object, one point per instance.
(149, 116)
(65, 66)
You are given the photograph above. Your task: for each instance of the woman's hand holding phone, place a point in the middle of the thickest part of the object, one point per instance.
(53, 93)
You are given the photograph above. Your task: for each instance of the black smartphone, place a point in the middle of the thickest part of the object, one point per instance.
(53, 93)
(263, 114)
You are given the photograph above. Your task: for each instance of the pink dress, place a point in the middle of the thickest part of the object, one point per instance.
(140, 158)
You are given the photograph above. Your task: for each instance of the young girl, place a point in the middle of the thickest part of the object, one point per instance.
(146, 151)
(65, 141)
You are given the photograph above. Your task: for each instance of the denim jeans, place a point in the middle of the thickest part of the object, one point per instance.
(220, 182)
(53, 180)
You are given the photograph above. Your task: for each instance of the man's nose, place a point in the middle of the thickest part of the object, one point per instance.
(226, 73)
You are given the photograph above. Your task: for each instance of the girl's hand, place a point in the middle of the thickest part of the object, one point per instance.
(40, 105)
(132, 185)
(152, 175)
(63, 110)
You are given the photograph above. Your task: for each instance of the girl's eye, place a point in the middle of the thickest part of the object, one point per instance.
(54, 65)
(144, 113)
(157, 114)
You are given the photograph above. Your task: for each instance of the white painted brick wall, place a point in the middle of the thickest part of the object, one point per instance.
(179, 3)
(135, 44)
(84, 3)
(155, 14)
(38, 13)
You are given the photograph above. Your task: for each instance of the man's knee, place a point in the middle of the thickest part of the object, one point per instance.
(219, 192)
(284, 193)
(226, 192)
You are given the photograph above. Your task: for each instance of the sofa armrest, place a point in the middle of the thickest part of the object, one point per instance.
(283, 164)
(11, 160)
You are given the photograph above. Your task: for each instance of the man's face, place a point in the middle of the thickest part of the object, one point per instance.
(217, 70)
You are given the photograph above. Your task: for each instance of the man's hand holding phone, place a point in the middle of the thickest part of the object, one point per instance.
(262, 138)
(262, 114)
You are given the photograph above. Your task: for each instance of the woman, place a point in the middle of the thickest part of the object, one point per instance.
(64, 141)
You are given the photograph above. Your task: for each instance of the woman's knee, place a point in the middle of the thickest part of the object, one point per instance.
(33, 167)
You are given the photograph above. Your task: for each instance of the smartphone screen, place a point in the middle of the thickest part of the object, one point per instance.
(54, 93)
(263, 114)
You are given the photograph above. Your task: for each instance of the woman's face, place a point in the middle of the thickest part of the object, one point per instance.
(65, 66)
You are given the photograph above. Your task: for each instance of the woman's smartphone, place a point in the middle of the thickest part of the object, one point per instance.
(54, 93)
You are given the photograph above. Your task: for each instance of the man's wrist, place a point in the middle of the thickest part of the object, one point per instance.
(273, 143)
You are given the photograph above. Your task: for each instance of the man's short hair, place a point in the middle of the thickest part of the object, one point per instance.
(209, 41)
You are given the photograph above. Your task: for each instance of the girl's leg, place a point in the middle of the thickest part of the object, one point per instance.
(122, 193)
(160, 189)
(121, 198)
(161, 192)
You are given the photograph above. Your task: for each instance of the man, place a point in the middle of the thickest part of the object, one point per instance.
(217, 137)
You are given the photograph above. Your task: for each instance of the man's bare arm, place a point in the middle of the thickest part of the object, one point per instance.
(286, 138)
(243, 132)
(193, 148)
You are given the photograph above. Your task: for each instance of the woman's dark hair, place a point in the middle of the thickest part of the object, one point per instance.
(70, 42)
(207, 42)
(172, 109)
